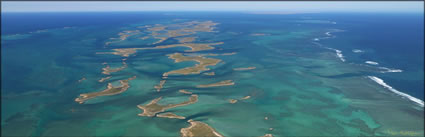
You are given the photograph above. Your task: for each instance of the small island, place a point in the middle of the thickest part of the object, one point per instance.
(199, 129)
(153, 107)
(108, 70)
(198, 68)
(110, 90)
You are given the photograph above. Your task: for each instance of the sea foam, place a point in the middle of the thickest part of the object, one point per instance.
(390, 70)
(404, 95)
(357, 51)
(338, 54)
(372, 62)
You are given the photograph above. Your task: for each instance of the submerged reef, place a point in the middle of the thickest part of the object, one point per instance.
(110, 90)
(247, 68)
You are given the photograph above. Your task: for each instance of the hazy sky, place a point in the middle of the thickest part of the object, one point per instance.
(293, 6)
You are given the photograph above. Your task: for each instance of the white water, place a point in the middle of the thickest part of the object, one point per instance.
(357, 51)
(390, 70)
(372, 62)
(404, 95)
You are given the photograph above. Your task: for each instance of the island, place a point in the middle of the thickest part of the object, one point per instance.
(199, 129)
(108, 70)
(110, 90)
(198, 68)
(153, 107)
(125, 52)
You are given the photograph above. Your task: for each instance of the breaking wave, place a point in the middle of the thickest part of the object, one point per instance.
(372, 62)
(404, 95)
(390, 70)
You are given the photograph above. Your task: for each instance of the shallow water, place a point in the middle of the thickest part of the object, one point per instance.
(298, 88)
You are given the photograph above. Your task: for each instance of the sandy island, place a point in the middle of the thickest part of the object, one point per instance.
(111, 90)
(199, 129)
(153, 108)
(198, 68)
(221, 83)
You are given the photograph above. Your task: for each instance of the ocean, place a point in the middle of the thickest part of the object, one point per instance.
(316, 74)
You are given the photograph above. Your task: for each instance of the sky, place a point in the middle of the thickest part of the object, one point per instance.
(281, 6)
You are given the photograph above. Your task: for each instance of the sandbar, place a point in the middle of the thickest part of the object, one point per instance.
(81, 80)
(233, 101)
(221, 83)
(110, 90)
(209, 73)
(105, 78)
(259, 34)
(186, 39)
(247, 68)
(107, 70)
(184, 91)
(199, 129)
(267, 135)
(170, 115)
(159, 86)
(246, 97)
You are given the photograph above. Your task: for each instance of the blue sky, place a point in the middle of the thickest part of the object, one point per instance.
(292, 6)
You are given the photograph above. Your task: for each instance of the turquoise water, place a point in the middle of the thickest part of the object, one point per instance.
(299, 84)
